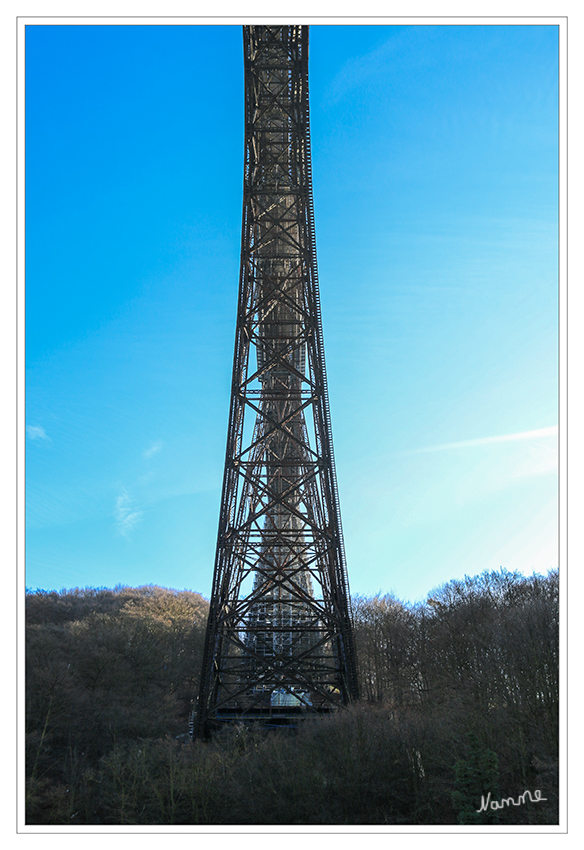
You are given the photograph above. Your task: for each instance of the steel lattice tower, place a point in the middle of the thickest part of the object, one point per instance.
(279, 637)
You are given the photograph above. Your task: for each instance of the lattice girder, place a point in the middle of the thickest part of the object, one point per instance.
(279, 639)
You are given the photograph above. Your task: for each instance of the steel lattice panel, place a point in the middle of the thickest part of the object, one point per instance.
(279, 639)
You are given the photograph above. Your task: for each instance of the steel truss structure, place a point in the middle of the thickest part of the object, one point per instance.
(279, 639)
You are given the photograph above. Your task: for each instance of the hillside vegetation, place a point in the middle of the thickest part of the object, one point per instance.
(459, 700)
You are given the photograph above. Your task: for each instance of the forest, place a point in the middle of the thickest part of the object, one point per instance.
(459, 700)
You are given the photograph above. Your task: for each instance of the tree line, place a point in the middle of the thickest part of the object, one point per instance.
(459, 700)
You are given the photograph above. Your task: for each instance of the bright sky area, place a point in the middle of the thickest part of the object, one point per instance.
(435, 169)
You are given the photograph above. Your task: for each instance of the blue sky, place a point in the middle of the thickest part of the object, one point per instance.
(435, 186)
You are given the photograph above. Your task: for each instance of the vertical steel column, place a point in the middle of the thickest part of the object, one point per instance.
(279, 638)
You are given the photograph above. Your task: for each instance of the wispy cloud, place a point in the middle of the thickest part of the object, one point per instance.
(552, 431)
(359, 69)
(153, 449)
(375, 64)
(36, 432)
(126, 518)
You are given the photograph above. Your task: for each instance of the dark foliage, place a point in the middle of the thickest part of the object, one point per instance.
(460, 699)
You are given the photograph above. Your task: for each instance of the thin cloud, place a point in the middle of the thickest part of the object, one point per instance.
(36, 432)
(359, 69)
(542, 459)
(537, 434)
(126, 518)
(153, 449)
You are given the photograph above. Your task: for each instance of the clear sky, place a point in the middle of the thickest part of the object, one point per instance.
(435, 182)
